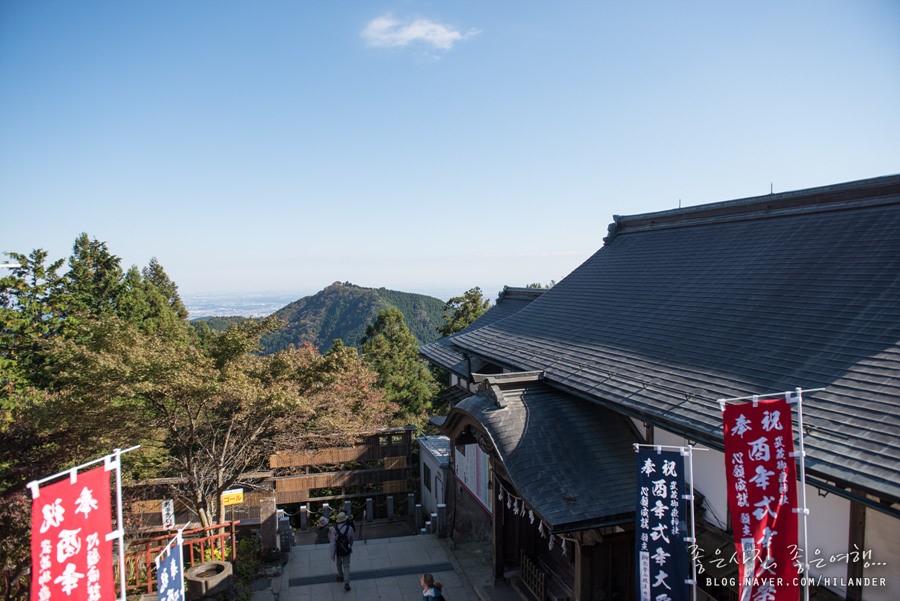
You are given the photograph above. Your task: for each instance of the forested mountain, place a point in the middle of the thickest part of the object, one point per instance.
(343, 310)
(218, 324)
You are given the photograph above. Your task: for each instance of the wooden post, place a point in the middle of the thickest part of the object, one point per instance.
(304, 517)
(498, 534)
(856, 541)
(582, 586)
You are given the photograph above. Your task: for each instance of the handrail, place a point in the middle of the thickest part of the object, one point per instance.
(141, 565)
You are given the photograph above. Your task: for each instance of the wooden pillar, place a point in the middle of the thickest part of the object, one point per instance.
(581, 588)
(498, 535)
(856, 541)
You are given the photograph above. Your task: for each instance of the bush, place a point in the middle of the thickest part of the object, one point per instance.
(249, 559)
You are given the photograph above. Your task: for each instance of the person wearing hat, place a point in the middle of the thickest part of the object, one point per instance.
(322, 531)
(341, 546)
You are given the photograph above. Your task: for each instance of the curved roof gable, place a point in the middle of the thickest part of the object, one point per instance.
(572, 462)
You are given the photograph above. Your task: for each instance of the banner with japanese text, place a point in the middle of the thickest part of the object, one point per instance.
(661, 551)
(70, 556)
(169, 574)
(762, 494)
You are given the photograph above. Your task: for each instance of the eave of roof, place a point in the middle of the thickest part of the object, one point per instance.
(443, 353)
(591, 481)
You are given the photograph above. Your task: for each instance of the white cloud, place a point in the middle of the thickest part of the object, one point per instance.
(387, 32)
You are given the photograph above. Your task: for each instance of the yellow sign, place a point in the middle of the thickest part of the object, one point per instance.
(235, 496)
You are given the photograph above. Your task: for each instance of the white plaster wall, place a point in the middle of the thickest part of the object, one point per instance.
(429, 498)
(883, 540)
(472, 472)
(709, 477)
(829, 531)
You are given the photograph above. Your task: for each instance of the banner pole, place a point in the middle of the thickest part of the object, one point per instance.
(690, 455)
(120, 525)
(665, 446)
(803, 510)
(35, 485)
(761, 397)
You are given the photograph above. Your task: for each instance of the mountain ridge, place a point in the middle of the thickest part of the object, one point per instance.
(343, 311)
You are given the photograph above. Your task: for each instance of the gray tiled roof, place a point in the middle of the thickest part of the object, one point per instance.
(509, 301)
(683, 307)
(438, 446)
(572, 461)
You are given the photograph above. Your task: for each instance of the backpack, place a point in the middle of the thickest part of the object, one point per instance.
(342, 543)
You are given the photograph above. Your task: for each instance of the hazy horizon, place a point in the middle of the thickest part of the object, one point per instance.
(261, 304)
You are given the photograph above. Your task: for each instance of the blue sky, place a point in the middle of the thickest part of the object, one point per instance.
(421, 146)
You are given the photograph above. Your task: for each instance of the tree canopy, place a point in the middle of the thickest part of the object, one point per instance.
(391, 350)
(460, 311)
(100, 357)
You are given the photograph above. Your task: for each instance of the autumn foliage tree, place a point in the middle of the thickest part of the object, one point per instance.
(219, 410)
(101, 357)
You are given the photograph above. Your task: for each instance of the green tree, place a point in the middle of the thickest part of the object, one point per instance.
(93, 283)
(217, 410)
(460, 311)
(155, 275)
(41, 431)
(99, 359)
(391, 350)
(31, 312)
(539, 285)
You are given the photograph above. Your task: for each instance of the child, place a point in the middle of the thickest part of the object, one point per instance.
(431, 590)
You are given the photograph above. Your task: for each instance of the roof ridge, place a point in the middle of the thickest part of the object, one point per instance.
(857, 194)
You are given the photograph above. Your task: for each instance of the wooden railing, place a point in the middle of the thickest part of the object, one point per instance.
(533, 576)
(201, 544)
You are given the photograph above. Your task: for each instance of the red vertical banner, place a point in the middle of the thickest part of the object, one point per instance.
(762, 495)
(70, 556)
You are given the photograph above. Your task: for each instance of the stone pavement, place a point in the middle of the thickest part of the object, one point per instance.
(388, 569)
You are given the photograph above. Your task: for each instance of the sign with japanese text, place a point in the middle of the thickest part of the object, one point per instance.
(235, 496)
(168, 513)
(70, 555)
(170, 574)
(762, 494)
(662, 554)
